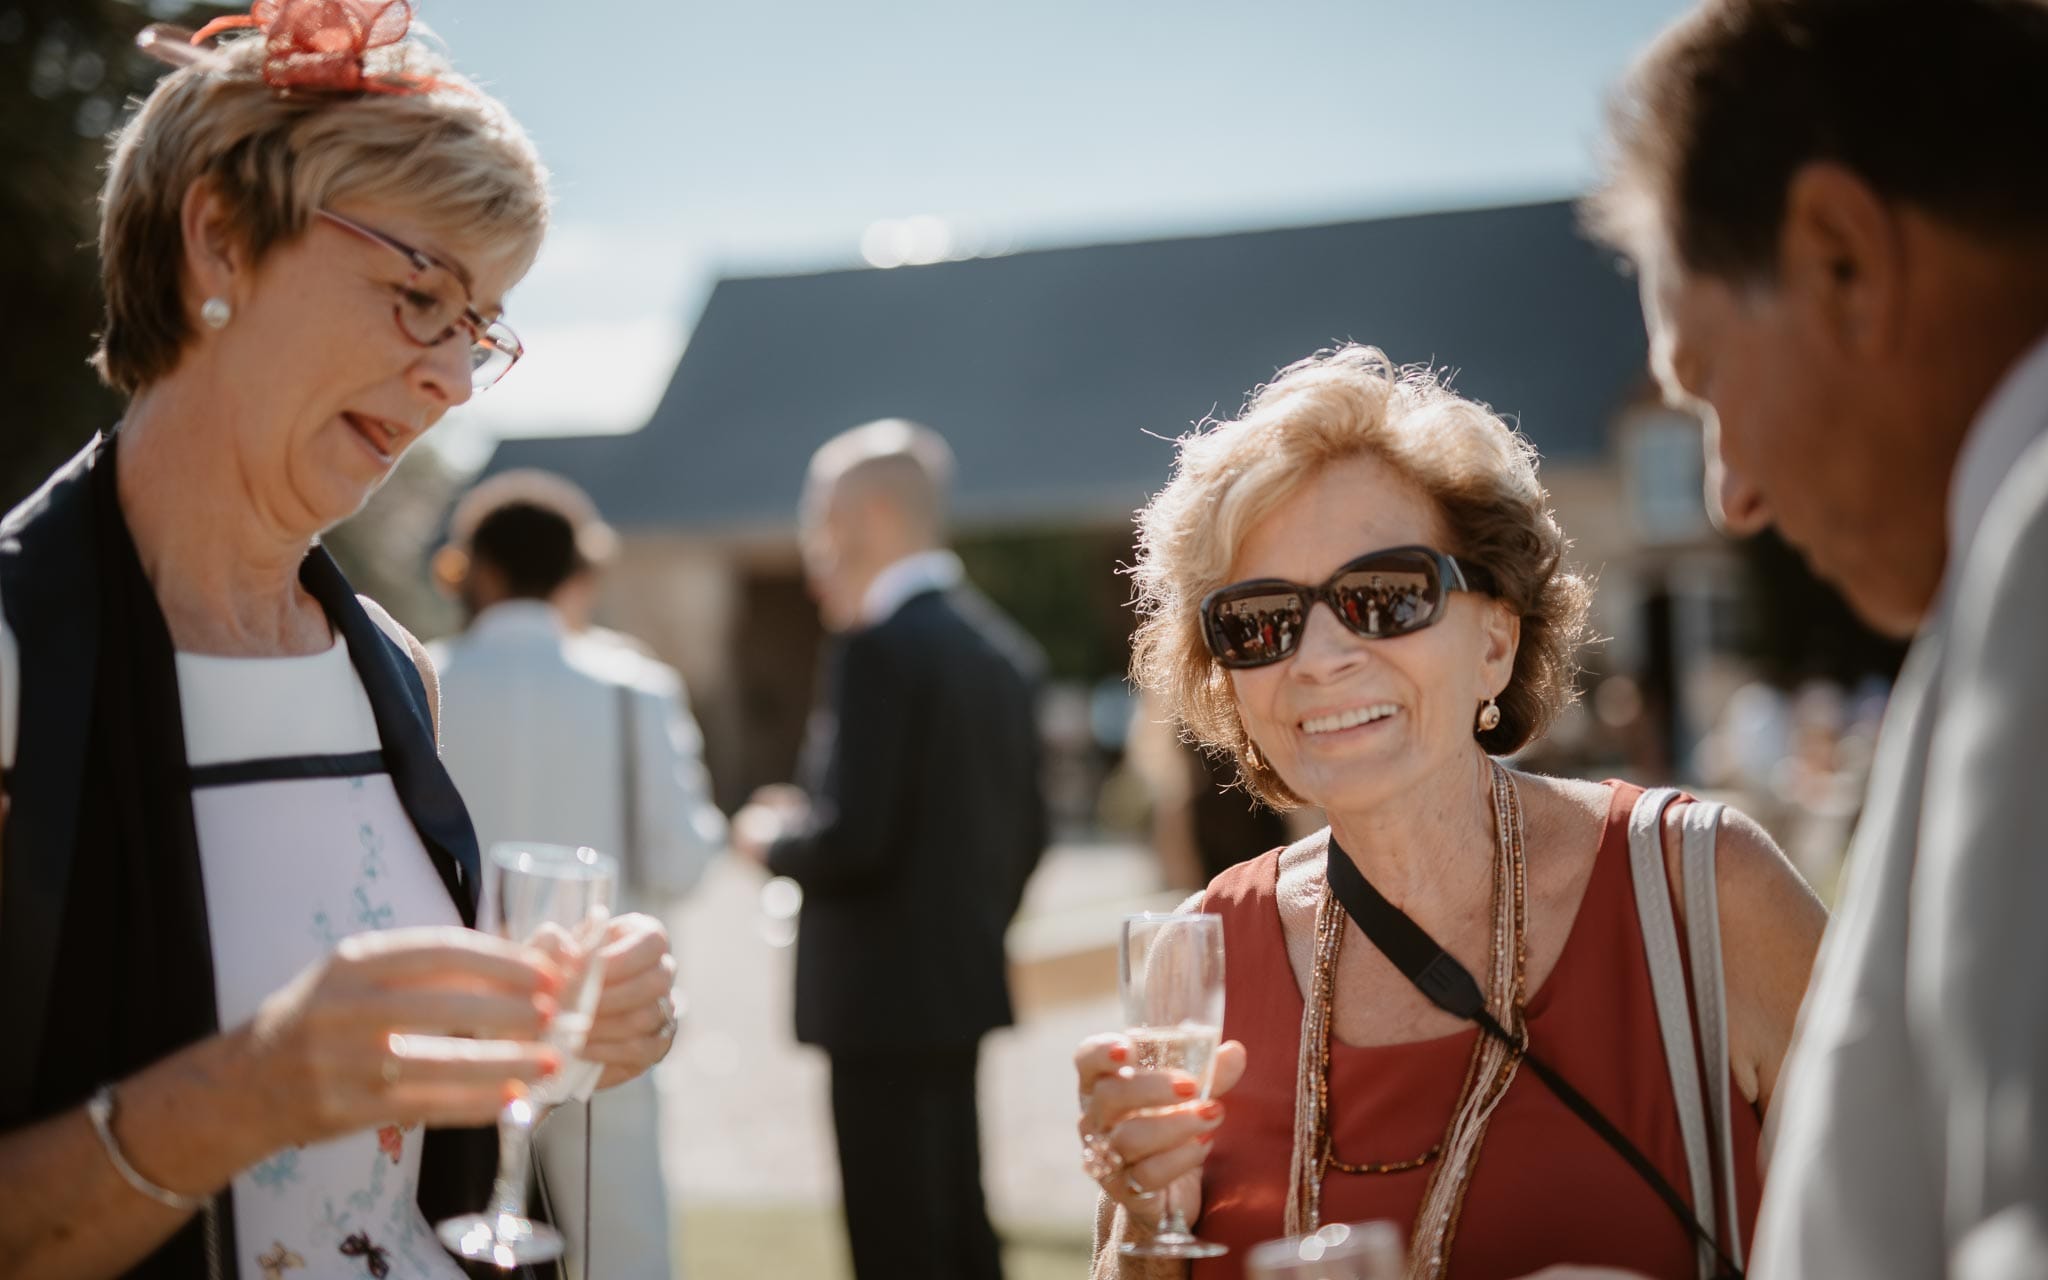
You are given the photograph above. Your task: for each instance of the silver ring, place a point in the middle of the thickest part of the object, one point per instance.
(1131, 1182)
(669, 1021)
(391, 1069)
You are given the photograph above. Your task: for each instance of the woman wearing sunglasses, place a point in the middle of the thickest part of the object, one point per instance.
(1357, 590)
(234, 878)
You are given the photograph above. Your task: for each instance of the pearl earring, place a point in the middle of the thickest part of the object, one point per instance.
(216, 312)
(1489, 716)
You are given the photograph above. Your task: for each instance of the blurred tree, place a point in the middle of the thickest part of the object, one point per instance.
(67, 67)
(1063, 588)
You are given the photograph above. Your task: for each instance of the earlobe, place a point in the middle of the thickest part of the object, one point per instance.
(1504, 638)
(213, 253)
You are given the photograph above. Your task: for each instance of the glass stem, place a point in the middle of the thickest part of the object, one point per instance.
(515, 1139)
(1173, 1221)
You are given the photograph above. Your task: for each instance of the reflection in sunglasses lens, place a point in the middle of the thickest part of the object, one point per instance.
(1386, 600)
(1259, 628)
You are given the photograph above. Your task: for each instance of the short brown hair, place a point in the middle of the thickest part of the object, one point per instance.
(1943, 107)
(454, 153)
(1479, 472)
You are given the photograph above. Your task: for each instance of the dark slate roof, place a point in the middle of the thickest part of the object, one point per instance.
(1053, 373)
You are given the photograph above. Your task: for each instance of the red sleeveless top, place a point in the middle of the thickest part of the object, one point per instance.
(1545, 1188)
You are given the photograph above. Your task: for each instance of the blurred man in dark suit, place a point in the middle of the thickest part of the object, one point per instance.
(919, 819)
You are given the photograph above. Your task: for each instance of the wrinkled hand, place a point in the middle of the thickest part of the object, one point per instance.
(367, 1035)
(636, 1014)
(1143, 1132)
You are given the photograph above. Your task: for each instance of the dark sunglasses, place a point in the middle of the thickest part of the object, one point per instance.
(1380, 595)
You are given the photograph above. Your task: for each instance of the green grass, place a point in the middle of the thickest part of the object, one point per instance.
(807, 1242)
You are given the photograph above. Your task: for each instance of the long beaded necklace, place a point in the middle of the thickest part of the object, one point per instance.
(1487, 1075)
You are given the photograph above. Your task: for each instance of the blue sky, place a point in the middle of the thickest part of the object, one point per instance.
(690, 141)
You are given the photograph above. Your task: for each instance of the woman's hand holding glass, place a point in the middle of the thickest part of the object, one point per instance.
(369, 1035)
(636, 1017)
(1144, 1131)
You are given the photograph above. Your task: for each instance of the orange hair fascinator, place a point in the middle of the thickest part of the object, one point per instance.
(310, 46)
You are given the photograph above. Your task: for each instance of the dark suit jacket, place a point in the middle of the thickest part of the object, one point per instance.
(927, 818)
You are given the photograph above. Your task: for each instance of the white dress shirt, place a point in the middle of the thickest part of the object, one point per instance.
(913, 575)
(533, 732)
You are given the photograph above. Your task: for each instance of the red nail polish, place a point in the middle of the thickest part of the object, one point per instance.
(1119, 1053)
(546, 1007)
(550, 1062)
(1207, 1136)
(1186, 1088)
(1210, 1110)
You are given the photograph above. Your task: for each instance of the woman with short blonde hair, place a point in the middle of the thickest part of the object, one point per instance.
(1358, 590)
(250, 1027)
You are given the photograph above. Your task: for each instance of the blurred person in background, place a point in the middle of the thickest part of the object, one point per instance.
(1344, 1093)
(920, 818)
(564, 737)
(1201, 822)
(1840, 219)
(236, 876)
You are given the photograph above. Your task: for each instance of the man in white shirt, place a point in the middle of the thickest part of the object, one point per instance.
(569, 735)
(1840, 216)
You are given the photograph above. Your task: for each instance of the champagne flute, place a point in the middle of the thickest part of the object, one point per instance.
(1340, 1251)
(560, 900)
(1170, 974)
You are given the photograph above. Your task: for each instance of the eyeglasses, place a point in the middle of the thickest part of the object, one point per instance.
(1380, 595)
(434, 302)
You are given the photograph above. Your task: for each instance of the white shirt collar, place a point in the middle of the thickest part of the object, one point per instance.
(523, 617)
(2012, 419)
(911, 576)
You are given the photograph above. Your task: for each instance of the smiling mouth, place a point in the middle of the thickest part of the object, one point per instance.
(1339, 721)
(383, 438)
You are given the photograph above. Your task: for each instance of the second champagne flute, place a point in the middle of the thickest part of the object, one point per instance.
(1170, 974)
(560, 900)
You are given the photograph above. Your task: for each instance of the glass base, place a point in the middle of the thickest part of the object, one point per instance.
(500, 1240)
(1173, 1245)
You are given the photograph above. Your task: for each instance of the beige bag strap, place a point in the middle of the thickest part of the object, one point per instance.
(1700, 825)
(1674, 1009)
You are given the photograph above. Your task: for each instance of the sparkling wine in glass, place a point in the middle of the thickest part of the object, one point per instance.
(1340, 1251)
(1170, 974)
(560, 900)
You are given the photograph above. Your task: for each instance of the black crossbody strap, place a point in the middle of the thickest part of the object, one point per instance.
(1450, 986)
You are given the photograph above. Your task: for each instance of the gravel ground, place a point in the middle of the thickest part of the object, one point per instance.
(746, 1123)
